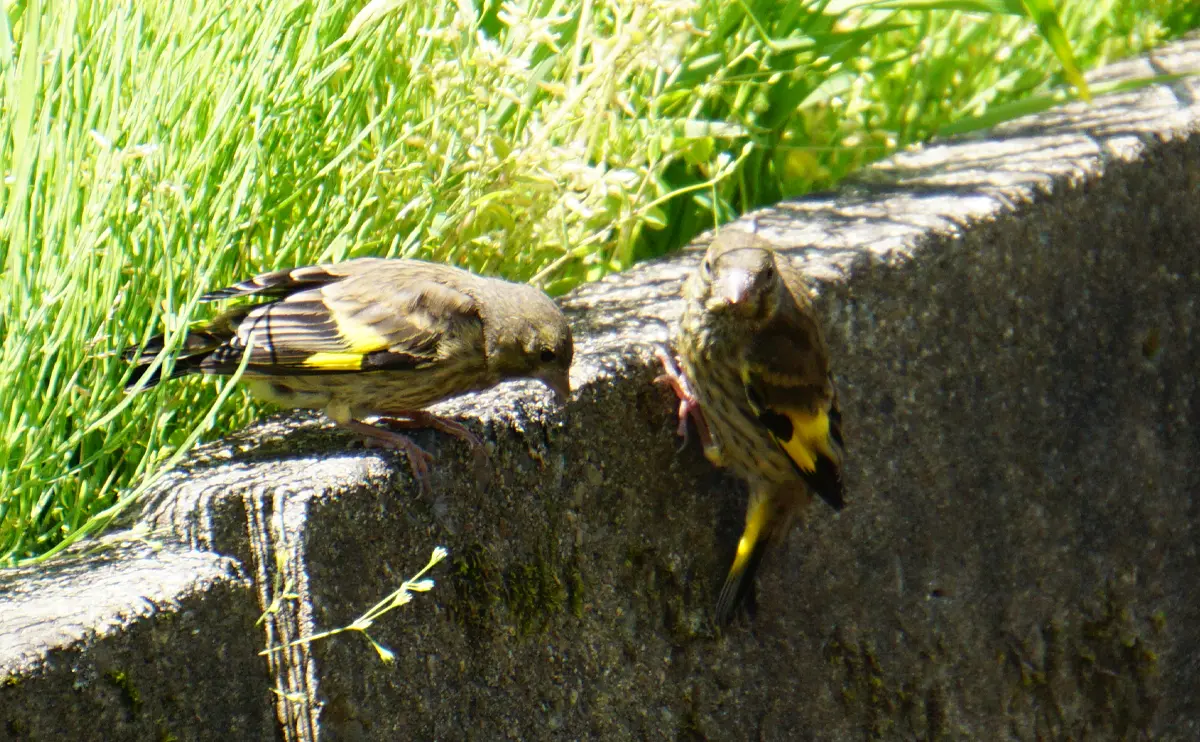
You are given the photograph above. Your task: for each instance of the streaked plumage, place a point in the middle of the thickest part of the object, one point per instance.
(755, 375)
(376, 337)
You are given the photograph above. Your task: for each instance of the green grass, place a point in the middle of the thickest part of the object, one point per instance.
(152, 151)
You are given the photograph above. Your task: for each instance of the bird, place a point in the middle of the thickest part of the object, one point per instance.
(380, 338)
(754, 375)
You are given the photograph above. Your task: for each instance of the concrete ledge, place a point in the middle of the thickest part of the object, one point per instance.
(132, 643)
(1013, 322)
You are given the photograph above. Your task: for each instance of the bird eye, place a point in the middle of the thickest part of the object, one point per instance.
(706, 266)
(548, 355)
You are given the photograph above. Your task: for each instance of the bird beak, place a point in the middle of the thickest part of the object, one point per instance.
(559, 383)
(733, 287)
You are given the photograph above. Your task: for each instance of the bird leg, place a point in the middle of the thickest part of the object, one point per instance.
(418, 458)
(689, 403)
(425, 419)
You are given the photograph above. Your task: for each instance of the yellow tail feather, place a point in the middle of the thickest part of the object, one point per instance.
(750, 549)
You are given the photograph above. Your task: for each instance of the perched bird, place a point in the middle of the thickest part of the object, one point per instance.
(755, 378)
(373, 337)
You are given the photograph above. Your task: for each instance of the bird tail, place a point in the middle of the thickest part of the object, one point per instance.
(768, 519)
(196, 346)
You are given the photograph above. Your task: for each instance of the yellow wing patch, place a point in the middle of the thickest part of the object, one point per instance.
(334, 361)
(810, 438)
(360, 338)
(803, 434)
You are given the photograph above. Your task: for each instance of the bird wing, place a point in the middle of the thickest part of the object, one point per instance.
(789, 387)
(290, 280)
(361, 315)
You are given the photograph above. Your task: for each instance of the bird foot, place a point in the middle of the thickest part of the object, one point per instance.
(689, 403)
(418, 458)
(423, 419)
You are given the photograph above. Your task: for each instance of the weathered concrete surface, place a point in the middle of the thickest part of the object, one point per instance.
(1012, 319)
(132, 642)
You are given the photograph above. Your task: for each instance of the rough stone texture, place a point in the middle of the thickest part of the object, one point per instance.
(130, 642)
(1012, 319)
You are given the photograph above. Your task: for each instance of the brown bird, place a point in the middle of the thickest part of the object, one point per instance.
(377, 338)
(755, 378)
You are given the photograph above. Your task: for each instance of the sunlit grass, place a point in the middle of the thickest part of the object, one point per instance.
(152, 151)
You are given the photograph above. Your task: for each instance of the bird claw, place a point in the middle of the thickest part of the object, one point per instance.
(418, 458)
(481, 462)
(689, 403)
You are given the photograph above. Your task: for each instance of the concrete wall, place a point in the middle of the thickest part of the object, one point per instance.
(1013, 320)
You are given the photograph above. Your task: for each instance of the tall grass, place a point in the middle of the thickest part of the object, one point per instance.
(152, 151)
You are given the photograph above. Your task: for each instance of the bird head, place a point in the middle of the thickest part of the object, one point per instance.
(740, 276)
(529, 338)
